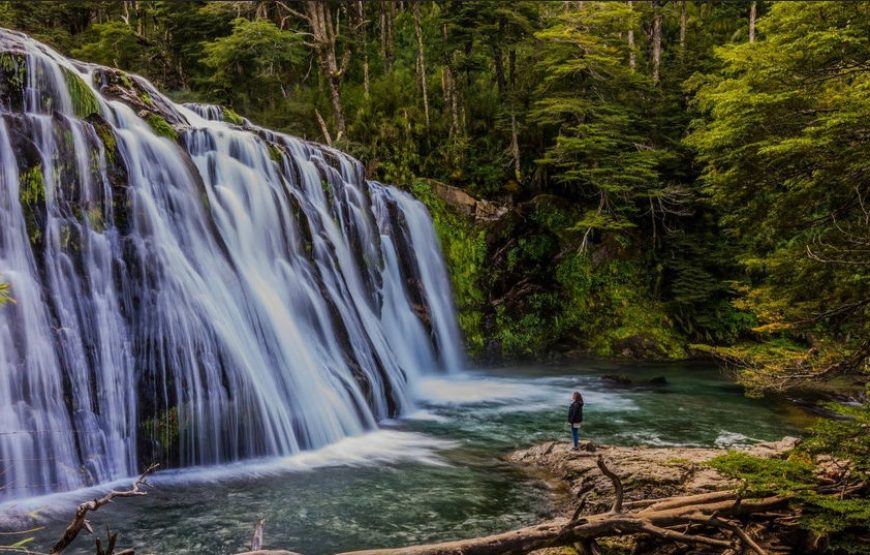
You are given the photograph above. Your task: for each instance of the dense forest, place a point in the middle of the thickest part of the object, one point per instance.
(669, 178)
(680, 176)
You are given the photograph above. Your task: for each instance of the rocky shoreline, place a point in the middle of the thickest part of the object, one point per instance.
(646, 473)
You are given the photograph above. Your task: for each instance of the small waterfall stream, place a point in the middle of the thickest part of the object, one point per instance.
(189, 290)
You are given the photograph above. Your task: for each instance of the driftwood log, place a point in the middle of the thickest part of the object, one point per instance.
(80, 521)
(708, 519)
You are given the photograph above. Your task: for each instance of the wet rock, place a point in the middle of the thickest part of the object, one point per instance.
(619, 380)
(646, 472)
(481, 210)
(614, 379)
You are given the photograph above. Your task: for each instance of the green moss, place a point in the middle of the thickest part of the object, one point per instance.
(31, 186)
(14, 67)
(164, 428)
(276, 154)
(607, 309)
(84, 101)
(95, 219)
(125, 80)
(161, 126)
(107, 137)
(232, 117)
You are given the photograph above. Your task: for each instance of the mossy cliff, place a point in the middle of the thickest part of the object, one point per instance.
(522, 290)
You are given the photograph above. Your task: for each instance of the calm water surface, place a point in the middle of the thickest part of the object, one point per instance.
(435, 475)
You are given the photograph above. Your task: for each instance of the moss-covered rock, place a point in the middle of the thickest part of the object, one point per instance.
(31, 186)
(232, 117)
(13, 80)
(161, 126)
(84, 100)
(159, 437)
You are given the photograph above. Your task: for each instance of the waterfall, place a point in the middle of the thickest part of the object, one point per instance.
(192, 289)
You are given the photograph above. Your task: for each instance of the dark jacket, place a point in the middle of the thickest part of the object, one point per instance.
(575, 412)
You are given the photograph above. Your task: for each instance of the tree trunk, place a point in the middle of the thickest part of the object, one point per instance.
(449, 84)
(657, 41)
(387, 34)
(499, 70)
(324, 32)
(753, 12)
(363, 24)
(632, 55)
(682, 30)
(421, 59)
(515, 139)
(515, 144)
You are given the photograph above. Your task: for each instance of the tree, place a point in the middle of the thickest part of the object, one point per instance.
(115, 44)
(256, 60)
(421, 59)
(657, 40)
(594, 102)
(325, 31)
(785, 148)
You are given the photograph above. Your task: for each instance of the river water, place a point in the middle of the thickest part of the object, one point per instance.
(433, 476)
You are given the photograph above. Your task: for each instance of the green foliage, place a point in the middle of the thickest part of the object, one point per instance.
(762, 477)
(632, 239)
(841, 520)
(256, 59)
(609, 311)
(113, 44)
(785, 152)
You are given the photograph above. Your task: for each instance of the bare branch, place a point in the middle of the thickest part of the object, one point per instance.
(617, 485)
(79, 521)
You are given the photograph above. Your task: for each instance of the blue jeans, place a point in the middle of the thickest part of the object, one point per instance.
(575, 435)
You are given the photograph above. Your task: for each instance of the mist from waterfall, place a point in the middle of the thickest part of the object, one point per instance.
(231, 294)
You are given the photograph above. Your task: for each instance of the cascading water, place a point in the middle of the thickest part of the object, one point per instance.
(189, 290)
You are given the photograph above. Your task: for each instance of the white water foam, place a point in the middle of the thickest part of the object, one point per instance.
(383, 447)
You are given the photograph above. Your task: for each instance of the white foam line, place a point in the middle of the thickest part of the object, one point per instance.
(380, 447)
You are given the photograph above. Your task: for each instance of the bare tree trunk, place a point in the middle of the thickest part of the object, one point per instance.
(657, 41)
(682, 30)
(363, 25)
(323, 127)
(387, 34)
(449, 84)
(515, 140)
(753, 12)
(632, 55)
(319, 18)
(421, 59)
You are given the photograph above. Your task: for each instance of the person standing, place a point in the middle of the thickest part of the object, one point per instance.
(575, 418)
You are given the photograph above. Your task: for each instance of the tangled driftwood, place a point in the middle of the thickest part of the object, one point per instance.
(708, 519)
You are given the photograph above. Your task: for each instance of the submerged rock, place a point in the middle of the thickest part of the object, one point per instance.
(621, 380)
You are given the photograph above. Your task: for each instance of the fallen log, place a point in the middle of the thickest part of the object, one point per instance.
(668, 519)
